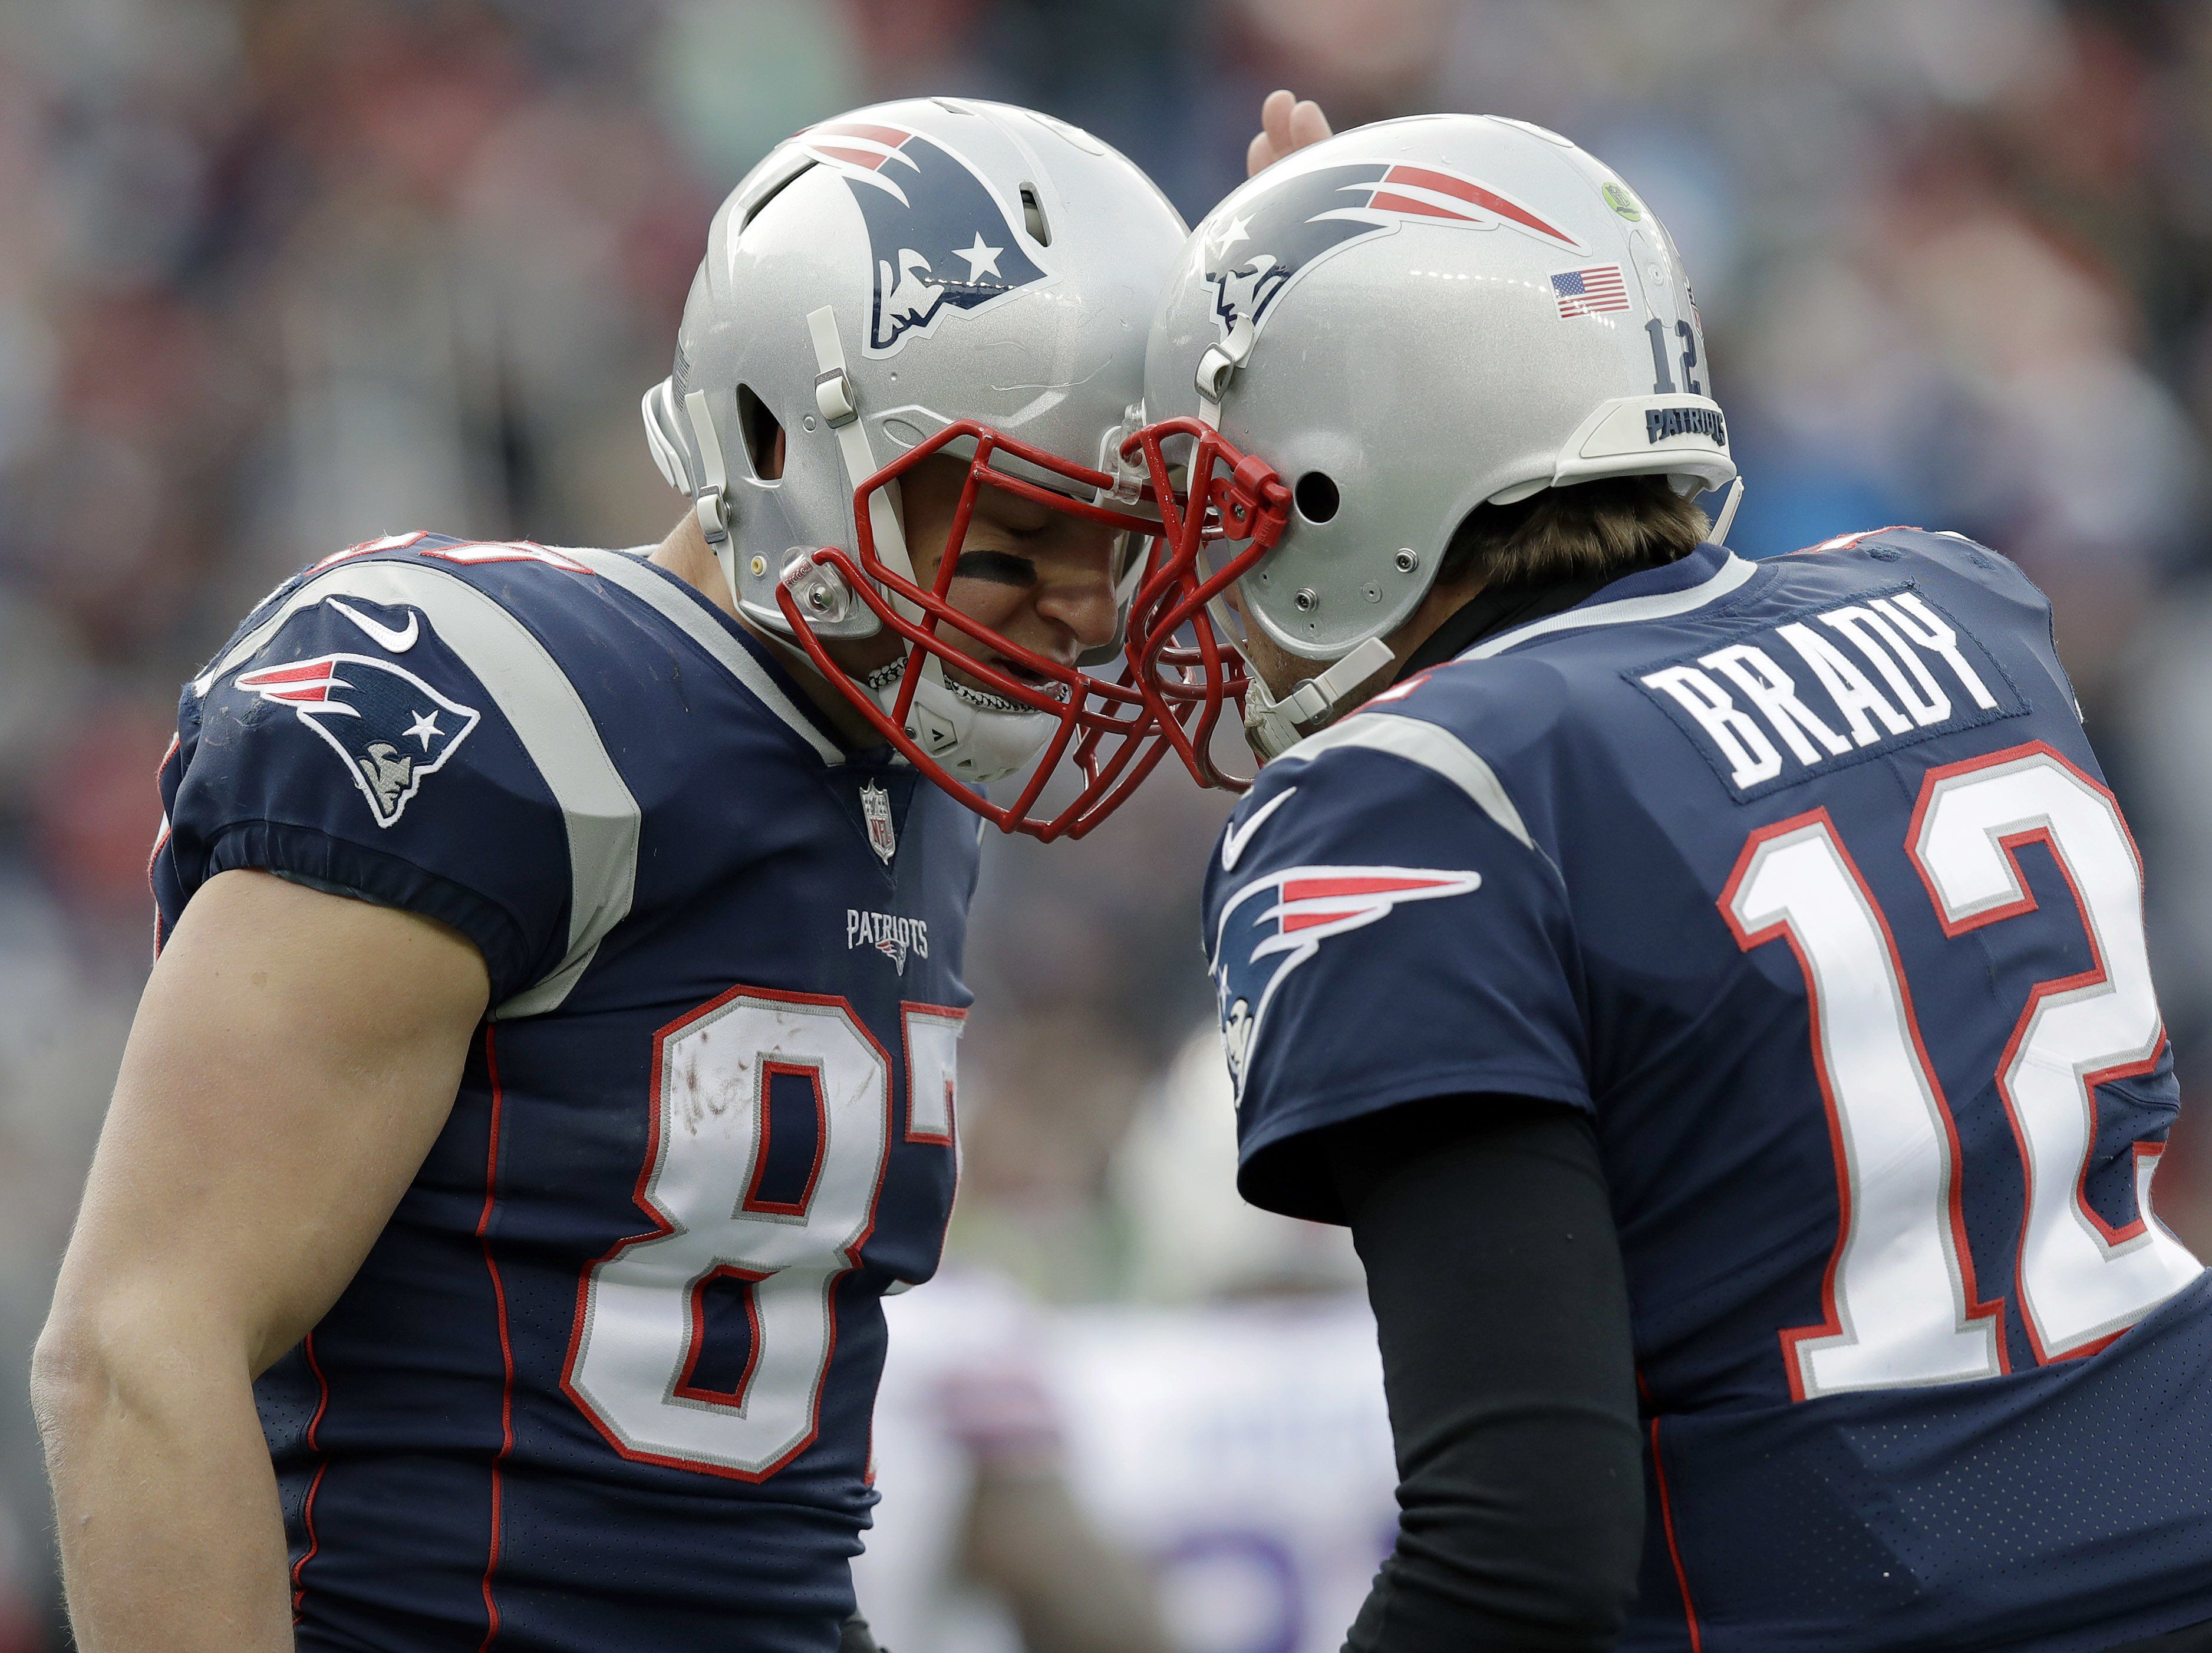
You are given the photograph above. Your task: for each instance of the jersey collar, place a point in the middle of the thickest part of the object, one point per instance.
(1706, 576)
(778, 671)
(1499, 607)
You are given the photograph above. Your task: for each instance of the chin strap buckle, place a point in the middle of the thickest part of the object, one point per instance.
(1273, 726)
(1218, 365)
(819, 590)
(833, 397)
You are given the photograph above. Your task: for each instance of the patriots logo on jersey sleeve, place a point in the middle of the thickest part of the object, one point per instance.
(1276, 923)
(390, 729)
(938, 236)
(1288, 230)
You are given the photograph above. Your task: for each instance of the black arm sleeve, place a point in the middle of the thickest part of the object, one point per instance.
(1495, 1273)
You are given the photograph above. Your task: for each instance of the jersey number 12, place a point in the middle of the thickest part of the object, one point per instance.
(1902, 1305)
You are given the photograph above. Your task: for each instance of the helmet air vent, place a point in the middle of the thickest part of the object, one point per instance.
(773, 191)
(1315, 497)
(763, 436)
(1033, 219)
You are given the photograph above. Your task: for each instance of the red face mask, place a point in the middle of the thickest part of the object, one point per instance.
(1219, 514)
(1114, 731)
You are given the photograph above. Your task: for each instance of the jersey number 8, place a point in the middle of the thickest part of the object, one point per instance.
(1902, 1306)
(641, 1315)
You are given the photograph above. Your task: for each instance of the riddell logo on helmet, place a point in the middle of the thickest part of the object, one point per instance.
(1660, 424)
(940, 239)
(1290, 229)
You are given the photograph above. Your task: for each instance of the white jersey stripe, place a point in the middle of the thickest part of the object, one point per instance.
(547, 716)
(1425, 743)
(1623, 611)
(625, 568)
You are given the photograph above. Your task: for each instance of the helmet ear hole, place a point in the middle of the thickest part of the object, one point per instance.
(763, 436)
(1315, 497)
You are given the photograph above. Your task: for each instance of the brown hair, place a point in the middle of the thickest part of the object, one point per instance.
(1609, 526)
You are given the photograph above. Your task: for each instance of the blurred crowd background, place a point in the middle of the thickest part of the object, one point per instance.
(277, 276)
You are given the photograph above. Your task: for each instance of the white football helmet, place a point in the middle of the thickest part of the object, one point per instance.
(932, 275)
(1369, 340)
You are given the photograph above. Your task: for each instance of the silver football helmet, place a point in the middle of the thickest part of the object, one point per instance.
(1369, 339)
(934, 275)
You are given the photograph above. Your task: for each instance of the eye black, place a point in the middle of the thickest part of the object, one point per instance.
(1001, 567)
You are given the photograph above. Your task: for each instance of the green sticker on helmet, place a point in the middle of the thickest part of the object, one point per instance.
(1622, 203)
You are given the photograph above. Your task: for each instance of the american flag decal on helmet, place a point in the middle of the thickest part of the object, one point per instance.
(1590, 292)
(1260, 945)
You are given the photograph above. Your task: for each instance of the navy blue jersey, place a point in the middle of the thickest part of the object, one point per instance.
(606, 1379)
(1800, 878)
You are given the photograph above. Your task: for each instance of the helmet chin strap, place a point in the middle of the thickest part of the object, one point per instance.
(1273, 726)
(1218, 365)
(1727, 517)
(710, 505)
(834, 401)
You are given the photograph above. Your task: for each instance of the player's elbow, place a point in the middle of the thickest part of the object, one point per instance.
(68, 1379)
(107, 1353)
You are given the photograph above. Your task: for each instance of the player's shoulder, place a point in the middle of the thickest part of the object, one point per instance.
(1942, 561)
(1558, 708)
(1501, 717)
(548, 637)
(1944, 549)
(403, 721)
(403, 654)
(506, 605)
(1777, 671)
(1389, 783)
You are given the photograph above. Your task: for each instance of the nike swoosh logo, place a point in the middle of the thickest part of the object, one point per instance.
(1233, 841)
(398, 639)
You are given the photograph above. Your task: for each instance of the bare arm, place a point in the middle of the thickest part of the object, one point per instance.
(294, 1058)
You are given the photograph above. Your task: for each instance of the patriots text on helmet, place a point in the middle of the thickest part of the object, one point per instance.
(1660, 424)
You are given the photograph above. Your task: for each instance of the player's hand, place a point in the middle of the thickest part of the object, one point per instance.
(1286, 124)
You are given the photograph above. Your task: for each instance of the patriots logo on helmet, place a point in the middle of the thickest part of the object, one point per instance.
(1288, 230)
(1261, 942)
(389, 728)
(938, 236)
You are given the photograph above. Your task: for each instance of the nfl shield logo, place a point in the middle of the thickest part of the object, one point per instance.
(876, 808)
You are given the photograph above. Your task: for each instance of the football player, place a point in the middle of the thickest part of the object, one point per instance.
(1714, 993)
(549, 1060)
